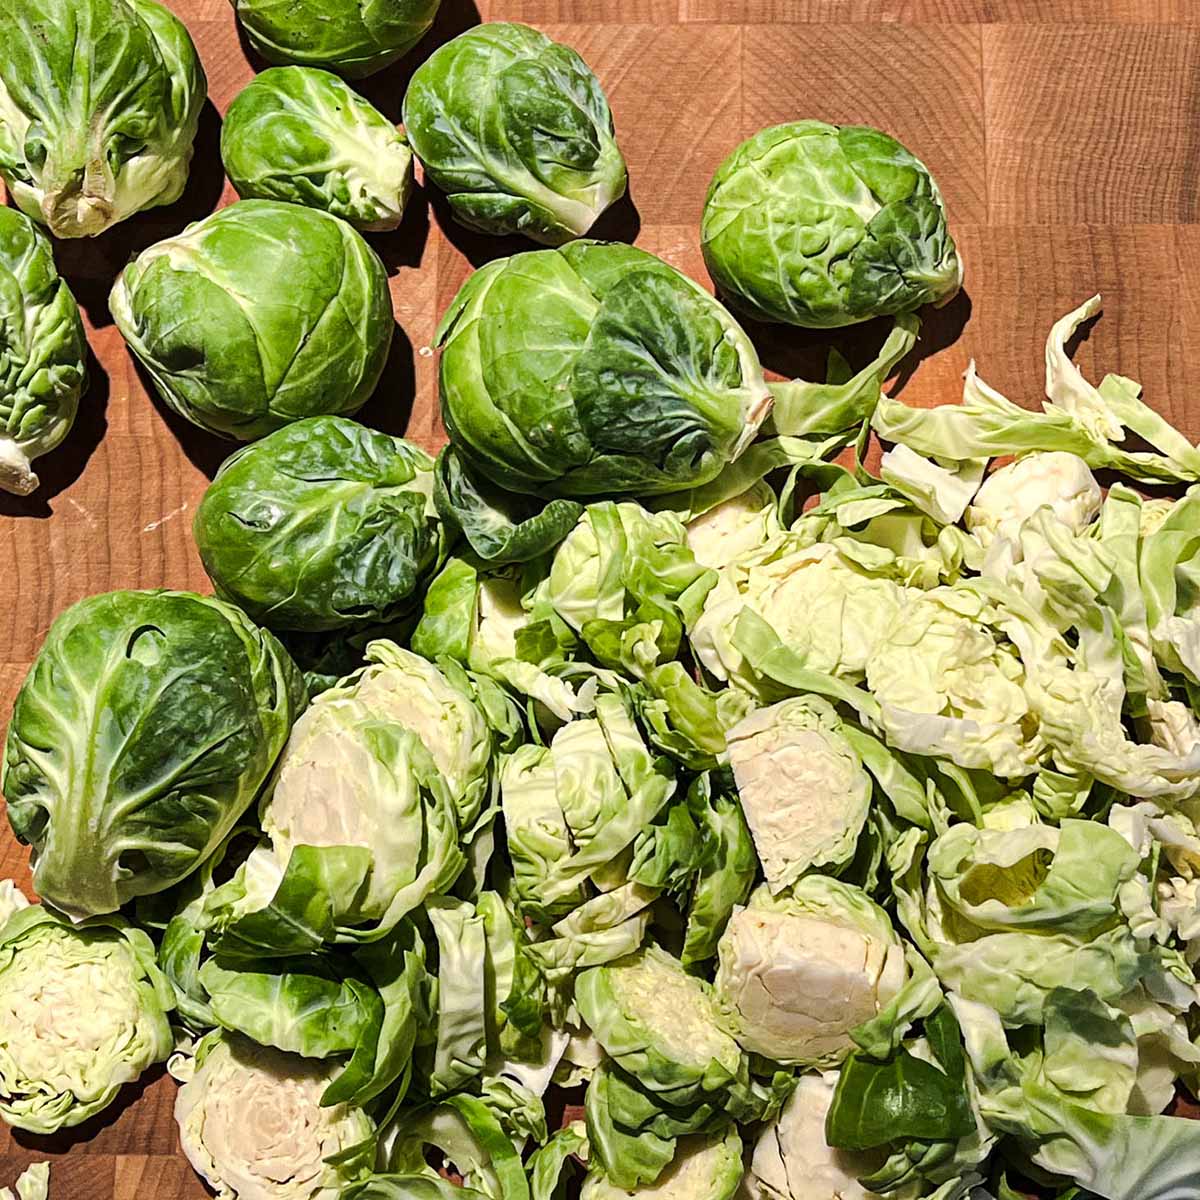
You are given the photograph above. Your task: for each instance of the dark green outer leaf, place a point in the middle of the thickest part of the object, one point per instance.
(903, 1098)
(501, 527)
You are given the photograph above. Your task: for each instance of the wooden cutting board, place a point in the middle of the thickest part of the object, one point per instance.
(1065, 135)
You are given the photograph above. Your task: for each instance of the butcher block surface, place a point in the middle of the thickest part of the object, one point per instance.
(1065, 135)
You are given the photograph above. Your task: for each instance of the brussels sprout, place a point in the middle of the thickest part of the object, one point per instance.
(825, 606)
(99, 102)
(145, 728)
(813, 225)
(352, 38)
(516, 130)
(500, 527)
(251, 1123)
(42, 349)
(301, 135)
(256, 316)
(802, 787)
(595, 369)
(1012, 494)
(626, 581)
(792, 1160)
(571, 809)
(404, 687)
(323, 524)
(796, 973)
(705, 1167)
(350, 777)
(660, 1024)
(361, 830)
(82, 1011)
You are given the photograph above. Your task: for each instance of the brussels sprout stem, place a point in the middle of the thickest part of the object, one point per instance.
(72, 213)
(16, 473)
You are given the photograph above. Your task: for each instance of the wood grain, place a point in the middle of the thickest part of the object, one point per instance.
(1065, 135)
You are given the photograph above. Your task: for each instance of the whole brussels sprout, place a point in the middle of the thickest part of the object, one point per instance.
(351, 37)
(146, 726)
(82, 1011)
(301, 135)
(42, 348)
(516, 130)
(99, 102)
(811, 224)
(258, 315)
(323, 524)
(595, 369)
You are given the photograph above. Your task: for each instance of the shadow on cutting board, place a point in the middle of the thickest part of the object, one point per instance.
(66, 1139)
(91, 265)
(795, 353)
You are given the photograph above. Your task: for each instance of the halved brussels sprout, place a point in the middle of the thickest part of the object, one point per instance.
(516, 130)
(42, 352)
(802, 787)
(301, 135)
(799, 971)
(99, 102)
(660, 1024)
(82, 1011)
(251, 1123)
(258, 315)
(815, 225)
